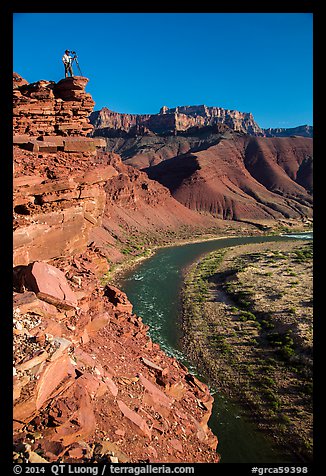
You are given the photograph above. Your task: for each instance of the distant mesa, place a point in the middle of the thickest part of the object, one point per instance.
(183, 119)
(171, 121)
(301, 131)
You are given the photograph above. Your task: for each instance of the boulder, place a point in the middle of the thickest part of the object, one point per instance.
(79, 144)
(49, 284)
(118, 298)
(136, 421)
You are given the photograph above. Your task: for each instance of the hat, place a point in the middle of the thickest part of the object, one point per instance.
(67, 51)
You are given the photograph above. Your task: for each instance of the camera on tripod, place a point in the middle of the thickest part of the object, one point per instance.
(75, 59)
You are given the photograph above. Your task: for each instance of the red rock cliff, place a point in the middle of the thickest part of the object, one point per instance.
(89, 384)
(171, 121)
(49, 108)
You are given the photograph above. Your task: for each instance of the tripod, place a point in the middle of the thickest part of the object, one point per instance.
(75, 58)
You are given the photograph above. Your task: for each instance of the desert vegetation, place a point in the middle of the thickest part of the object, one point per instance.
(247, 319)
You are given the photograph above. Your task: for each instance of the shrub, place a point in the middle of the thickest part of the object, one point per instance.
(268, 381)
(267, 324)
(247, 316)
(285, 419)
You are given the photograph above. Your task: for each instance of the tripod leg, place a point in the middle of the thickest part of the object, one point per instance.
(81, 74)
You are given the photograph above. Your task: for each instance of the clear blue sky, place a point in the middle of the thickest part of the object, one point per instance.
(138, 62)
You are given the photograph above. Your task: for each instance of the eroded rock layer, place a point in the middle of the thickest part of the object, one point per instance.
(50, 108)
(242, 177)
(89, 384)
(171, 121)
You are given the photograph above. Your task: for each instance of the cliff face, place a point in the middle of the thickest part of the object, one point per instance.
(302, 131)
(201, 116)
(182, 119)
(171, 121)
(89, 384)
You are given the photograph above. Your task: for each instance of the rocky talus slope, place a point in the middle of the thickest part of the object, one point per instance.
(88, 384)
(243, 178)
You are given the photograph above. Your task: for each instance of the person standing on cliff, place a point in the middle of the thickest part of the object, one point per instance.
(67, 61)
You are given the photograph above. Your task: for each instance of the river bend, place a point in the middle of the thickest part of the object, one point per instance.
(153, 287)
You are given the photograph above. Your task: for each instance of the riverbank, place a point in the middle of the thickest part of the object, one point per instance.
(116, 270)
(247, 323)
(140, 247)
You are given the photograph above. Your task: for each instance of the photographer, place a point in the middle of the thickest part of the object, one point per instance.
(67, 61)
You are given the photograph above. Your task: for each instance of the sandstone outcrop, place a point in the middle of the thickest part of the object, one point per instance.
(187, 148)
(53, 216)
(46, 108)
(89, 385)
(184, 119)
(201, 116)
(17, 81)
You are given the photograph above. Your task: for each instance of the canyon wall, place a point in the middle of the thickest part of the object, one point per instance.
(227, 174)
(89, 385)
(217, 161)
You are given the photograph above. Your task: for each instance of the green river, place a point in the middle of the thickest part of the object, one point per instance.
(153, 287)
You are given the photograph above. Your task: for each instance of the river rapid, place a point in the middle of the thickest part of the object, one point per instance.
(153, 287)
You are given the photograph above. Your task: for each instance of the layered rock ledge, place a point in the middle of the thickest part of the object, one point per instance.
(46, 108)
(89, 384)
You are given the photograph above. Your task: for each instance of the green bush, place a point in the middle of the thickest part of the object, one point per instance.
(268, 381)
(284, 419)
(247, 316)
(267, 324)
